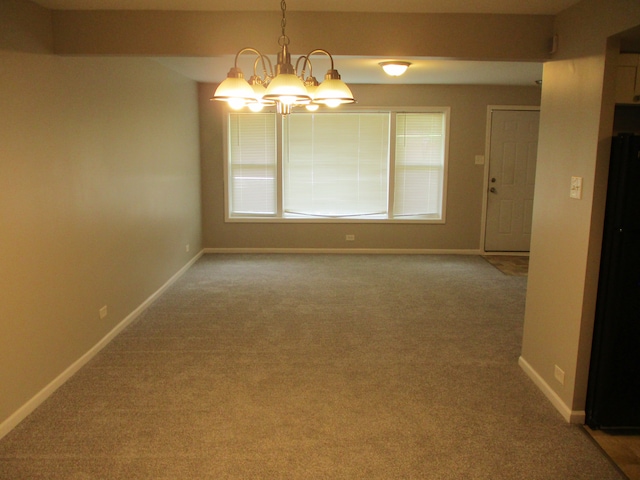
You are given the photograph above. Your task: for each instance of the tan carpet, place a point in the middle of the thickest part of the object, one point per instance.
(312, 366)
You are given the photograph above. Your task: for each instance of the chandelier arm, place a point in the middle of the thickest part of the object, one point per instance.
(304, 66)
(262, 58)
(246, 49)
(320, 50)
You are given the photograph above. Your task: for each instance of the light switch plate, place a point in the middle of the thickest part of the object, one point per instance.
(479, 159)
(576, 188)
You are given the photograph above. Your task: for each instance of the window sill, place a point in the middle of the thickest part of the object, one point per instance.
(300, 219)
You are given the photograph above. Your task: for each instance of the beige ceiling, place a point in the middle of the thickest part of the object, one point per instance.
(529, 7)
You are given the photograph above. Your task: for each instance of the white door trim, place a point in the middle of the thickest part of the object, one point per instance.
(485, 179)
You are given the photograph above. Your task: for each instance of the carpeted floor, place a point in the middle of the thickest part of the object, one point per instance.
(312, 366)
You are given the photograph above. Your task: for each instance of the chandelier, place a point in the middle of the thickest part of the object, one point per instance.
(286, 89)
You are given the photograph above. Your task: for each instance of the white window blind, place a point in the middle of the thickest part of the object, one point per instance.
(252, 164)
(419, 164)
(336, 165)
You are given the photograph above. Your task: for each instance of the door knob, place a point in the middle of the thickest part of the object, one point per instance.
(492, 190)
(493, 180)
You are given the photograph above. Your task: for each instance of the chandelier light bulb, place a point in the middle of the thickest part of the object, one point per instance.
(236, 103)
(333, 103)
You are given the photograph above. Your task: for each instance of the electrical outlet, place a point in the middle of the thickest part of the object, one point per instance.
(350, 238)
(559, 374)
(103, 312)
(187, 247)
(576, 188)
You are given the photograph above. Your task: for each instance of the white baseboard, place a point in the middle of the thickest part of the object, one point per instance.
(571, 416)
(20, 414)
(359, 251)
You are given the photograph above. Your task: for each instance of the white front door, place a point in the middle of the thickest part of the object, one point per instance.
(512, 168)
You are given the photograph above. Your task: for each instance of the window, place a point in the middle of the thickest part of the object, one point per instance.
(419, 164)
(252, 164)
(353, 165)
(336, 165)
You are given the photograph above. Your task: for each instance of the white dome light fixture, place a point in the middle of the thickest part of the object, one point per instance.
(395, 68)
(286, 89)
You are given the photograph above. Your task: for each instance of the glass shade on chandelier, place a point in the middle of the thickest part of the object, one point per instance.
(286, 89)
(332, 92)
(235, 90)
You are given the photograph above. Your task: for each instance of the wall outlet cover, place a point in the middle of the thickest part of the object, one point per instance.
(576, 188)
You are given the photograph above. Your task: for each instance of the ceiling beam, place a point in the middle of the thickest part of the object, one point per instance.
(180, 33)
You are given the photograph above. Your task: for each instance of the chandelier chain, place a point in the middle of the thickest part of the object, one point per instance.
(283, 23)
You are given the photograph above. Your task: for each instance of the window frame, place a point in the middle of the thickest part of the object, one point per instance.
(281, 217)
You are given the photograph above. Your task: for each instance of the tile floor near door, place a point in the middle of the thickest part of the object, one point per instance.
(624, 450)
(515, 265)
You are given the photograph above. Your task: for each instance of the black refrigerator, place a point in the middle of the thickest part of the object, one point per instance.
(613, 395)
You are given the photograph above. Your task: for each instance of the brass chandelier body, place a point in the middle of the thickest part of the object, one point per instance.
(286, 89)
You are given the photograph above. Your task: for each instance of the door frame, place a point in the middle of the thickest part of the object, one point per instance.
(485, 180)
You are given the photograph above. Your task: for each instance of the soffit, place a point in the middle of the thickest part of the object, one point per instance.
(524, 7)
(356, 69)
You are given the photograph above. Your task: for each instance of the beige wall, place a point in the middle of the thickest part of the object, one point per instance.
(576, 127)
(99, 182)
(464, 187)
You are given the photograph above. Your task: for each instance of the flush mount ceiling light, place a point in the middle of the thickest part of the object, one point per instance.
(286, 89)
(395, 68)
